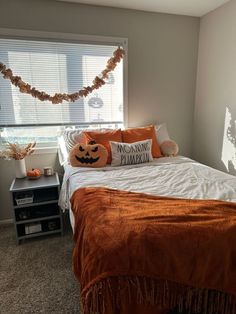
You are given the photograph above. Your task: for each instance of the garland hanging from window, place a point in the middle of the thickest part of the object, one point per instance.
(58, 97)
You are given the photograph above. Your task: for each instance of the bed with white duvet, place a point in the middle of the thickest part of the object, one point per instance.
(178, 177)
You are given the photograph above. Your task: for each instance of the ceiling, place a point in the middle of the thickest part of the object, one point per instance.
(185, 7)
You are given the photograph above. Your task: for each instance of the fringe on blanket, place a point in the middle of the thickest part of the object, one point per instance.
(149, 291)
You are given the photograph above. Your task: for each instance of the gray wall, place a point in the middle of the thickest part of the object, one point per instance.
(215, 109)
(162, 61)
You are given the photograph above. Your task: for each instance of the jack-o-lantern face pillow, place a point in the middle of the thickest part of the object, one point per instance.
(88, 155)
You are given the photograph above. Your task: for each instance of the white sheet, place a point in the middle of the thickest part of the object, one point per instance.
(176, 177)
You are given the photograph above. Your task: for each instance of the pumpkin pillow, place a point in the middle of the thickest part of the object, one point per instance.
(104, 139)
(88, 155)
(140, 134)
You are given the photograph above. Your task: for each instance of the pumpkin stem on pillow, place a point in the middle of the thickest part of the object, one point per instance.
(92, 142)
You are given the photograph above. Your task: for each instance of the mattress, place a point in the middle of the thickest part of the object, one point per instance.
(179, 177)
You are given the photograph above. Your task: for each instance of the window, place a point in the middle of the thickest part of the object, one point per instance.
(58, 66)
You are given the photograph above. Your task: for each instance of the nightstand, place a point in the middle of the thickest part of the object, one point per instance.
(35, 207)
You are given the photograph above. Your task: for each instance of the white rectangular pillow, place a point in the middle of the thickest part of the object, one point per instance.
(62, 151)
(162, 133)
(131, 153)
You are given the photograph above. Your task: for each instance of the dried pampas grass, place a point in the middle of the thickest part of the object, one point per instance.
(16, 151)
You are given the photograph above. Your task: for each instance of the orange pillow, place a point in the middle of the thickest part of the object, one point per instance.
(140, 134)
(104, 138)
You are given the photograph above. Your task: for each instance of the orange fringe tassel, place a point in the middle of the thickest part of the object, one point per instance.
(149, 291)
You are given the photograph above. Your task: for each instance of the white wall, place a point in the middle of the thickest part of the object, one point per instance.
(162, 61)
(215, 109)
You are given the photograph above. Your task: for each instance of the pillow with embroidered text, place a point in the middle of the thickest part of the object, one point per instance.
(131, 153)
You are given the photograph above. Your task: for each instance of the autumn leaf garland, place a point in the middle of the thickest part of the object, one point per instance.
(58, 97)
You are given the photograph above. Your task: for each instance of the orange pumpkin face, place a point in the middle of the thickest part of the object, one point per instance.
(88, 155)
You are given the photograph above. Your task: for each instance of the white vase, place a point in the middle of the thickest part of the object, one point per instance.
(20, 169)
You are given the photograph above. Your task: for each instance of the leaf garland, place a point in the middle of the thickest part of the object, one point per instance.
(58, 98)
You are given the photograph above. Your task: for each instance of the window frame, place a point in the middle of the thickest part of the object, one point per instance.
(76, 38)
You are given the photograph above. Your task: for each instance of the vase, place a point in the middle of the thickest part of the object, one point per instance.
(20, 169)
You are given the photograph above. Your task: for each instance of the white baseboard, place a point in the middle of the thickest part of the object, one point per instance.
(6, 221)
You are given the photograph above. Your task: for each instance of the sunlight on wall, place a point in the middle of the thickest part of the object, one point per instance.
(228, 155)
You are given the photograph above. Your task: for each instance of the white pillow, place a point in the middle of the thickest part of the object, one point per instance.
(131, 153)
(73, 137)
(62, 151)
(162, 133)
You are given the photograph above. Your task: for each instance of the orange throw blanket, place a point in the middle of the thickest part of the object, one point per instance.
(141, 250)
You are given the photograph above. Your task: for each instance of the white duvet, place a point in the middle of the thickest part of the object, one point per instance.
(176, 177)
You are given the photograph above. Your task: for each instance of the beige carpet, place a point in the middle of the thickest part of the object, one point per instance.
(36, 276)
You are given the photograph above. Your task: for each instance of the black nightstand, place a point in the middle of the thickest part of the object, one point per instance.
(35, 207)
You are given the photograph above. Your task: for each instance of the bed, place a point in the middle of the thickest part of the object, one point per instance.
(208, 289)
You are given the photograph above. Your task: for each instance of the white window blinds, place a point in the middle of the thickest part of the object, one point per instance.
(59, 67)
